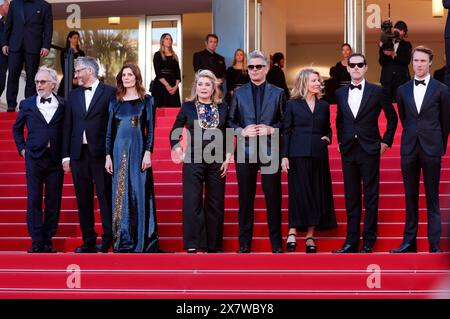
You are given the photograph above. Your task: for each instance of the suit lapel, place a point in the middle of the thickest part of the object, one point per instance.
(266, 99)
(21, 6)
(35, 109)
(410, 97)
(428, 93)
(250, 101)
(345, 101)
(98, 92)
(366, 95)
(59, 111)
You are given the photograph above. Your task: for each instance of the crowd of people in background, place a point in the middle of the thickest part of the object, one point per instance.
(104, 136)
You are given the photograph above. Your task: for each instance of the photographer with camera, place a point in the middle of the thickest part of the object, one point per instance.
(394, 56)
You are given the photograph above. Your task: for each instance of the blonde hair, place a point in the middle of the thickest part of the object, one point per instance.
(300, 90)
(216, 97)
(244, 62)
(161, 47)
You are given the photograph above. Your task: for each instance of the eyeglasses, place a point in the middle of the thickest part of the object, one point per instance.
(42, 82)
(258, 66)
(79, 70)
(360, 65)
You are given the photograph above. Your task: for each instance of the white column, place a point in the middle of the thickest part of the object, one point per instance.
(354, 24)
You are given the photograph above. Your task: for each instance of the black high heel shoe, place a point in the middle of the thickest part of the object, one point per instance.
(310, 249)
(291, 246)
(192, 251)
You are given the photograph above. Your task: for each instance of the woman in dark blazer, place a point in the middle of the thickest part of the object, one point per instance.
(203, 216)
(307, 132)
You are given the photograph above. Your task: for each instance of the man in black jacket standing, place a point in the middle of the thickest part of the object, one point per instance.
(360, 145)
(27, 37)
(256, 113)
(424, 110)
(4, 8)
(84, 151)
(394, 63)
(446, 4)
(208, 59)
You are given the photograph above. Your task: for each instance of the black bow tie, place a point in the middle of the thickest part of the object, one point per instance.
(359, 87)
(417, 82)
(49, 100)
(88, 88)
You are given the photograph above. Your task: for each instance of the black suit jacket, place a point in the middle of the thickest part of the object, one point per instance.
(242, 113)
(431, 126)
(395, 71)
(39, 131)
(365, 125)
(94, 121)
(205, 60)
(446, 4)
(303, 129)
(30, 35)
(276, 77)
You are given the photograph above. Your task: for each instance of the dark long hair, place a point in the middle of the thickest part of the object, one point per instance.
(121, 90)
(71, 34)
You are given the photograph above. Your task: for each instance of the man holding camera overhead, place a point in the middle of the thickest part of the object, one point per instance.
(394, 59)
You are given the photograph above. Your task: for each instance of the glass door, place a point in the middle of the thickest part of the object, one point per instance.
(155, 26)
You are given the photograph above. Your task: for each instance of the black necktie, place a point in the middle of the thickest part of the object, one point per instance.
(417, 82)
(49, 100)
(359, 87)
(88, 88)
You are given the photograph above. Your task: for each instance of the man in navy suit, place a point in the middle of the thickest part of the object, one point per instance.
(424, 110)
(4, 8)
(84, 151)
(43, 115)
(360, 144)
(256, 112)
(27, 36)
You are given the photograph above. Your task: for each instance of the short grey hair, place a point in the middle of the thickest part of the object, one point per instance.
(258, 55)
(88, 62)
(52, 74)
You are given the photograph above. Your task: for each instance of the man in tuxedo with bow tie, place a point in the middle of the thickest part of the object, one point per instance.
(424, 110)
(84, 151)
(43, 115)
(394, 63)
(27, 37)
(4, 8)
(360, 144)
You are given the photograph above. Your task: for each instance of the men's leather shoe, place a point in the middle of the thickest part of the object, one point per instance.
(405, 248)
(277, 250)
(435, 249)
(104, 248)
(35, 249)
(243, 250)
(347, 248)
(86, 250)
(48, 249)
(366, 249)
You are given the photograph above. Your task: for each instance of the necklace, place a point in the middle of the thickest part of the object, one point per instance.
(208, 115)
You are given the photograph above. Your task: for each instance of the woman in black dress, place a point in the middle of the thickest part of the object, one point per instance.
(339, 72)
(237, 74)
(307, 132)
(72, 42)
(202, 218)
(168, 77)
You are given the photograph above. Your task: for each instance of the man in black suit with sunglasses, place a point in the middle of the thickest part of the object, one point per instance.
(360, 144)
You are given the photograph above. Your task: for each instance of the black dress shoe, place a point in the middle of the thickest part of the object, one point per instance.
(277, 250)
(104, 248)
(86, 250)
(35, 249)
(405, 248)
(347, 248)
(243, 250)
(192, 251)
(366, 249)
(435, 249)
(48, 249)
(11, 109)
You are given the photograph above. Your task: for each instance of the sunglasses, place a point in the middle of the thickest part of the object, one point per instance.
(360, 65)
(258, 66)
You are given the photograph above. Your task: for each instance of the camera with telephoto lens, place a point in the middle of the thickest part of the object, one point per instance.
(387, 35)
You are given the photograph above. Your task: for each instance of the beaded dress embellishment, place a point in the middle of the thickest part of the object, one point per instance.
(208, 115)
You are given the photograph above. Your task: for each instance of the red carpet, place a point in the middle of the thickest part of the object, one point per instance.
(219, 275)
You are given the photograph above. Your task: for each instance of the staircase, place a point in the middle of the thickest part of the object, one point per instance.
(225, 275)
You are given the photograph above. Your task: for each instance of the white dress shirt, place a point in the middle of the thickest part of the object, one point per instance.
(355, 97)
(419, 92)
(88, 95)
(47, 109)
